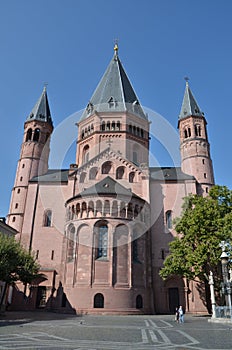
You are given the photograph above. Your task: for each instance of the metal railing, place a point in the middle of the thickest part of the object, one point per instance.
(223, 312)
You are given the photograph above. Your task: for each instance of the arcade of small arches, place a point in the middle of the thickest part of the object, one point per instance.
(121, 172)
(107, 126)
(106, 208)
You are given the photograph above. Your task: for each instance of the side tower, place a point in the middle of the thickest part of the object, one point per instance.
(33, 159)
(194, 145)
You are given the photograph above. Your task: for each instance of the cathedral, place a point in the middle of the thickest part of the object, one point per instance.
(100, 230)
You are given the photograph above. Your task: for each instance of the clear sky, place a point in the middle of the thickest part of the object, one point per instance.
(69, 44)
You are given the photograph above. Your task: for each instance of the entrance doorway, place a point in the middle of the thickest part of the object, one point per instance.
(41, 297)
(173, 295)
(98, 301)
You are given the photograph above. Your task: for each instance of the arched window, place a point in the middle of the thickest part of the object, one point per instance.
(197, 130)
(102, 241)
(130, 129)
(130, 211)
(185, 133)
(169, 219)
(103, 126)
(106, 167)
(123, 209)
(118, 125)
(48, 218)
(98, 301)
(106, 208)
(36, 135)
(115, 208)
(108, 125)
(98, 208)
(29, 135)
(82, 177)
(189, 132)
(139, 302)
(85, 155)
(113, 126)
(132, 176)
(78, 209)
(93, 173)
(91, 207)
(120, 172)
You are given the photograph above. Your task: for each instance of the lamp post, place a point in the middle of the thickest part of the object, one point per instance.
(226, 275)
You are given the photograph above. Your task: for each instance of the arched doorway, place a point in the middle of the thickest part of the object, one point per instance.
(139, 302)
(98, 301)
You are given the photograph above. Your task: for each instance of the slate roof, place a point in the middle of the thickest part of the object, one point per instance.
(41, 110)
(189, 106)
(114, 93)
(53, 175)
(107, 186)
(156, 173)
(169, 174)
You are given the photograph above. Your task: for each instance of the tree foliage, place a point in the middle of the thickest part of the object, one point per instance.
(16, 263)
(204, 223)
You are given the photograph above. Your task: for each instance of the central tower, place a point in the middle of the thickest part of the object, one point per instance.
(114, 116)
(107, 238)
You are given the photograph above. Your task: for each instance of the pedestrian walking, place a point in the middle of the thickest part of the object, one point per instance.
(181, 314)
(177, 315)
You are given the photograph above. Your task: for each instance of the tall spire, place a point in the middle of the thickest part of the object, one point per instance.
(114, 93)
(41, 110)
(189, 106)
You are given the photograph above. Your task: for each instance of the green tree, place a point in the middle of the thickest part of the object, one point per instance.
(204, 223)
(16, 263)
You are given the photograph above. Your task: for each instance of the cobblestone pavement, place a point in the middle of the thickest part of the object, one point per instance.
(44, 330)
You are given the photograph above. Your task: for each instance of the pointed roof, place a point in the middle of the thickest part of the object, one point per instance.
(107, 186)
(114, 92)
(189, 106)
(41, 110)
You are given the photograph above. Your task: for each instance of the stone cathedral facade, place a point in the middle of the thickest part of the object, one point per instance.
(100, 229)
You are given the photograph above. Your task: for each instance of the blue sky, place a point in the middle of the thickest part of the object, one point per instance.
(70, 43)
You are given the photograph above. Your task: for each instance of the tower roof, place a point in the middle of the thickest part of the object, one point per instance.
(41, 110)
(114, 92)
(189, 106)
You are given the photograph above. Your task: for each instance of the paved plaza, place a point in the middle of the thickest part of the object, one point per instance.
(45, 330)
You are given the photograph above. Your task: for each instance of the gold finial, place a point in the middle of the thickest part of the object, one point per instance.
(116, 46)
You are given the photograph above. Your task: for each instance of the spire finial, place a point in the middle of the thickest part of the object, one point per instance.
(116, 47)
(45, 85)
(187, 80)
